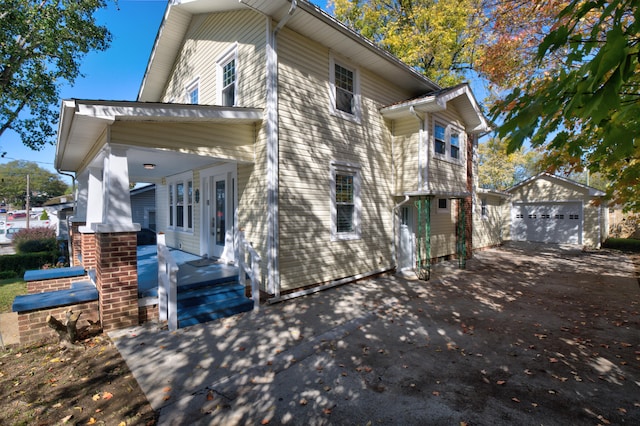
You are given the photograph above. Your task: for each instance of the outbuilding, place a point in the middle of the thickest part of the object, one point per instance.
(553, 209)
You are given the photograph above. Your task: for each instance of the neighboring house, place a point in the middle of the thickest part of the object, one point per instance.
(336, 159)
(143, 206)
(553, 209)
(59, 210)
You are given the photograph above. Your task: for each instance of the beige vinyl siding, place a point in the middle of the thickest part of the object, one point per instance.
(406, 154)
(211, 36)
(443, 229)
(490, 230)
(310, 139)
(219, 141)
(252, 201)
(445, 175)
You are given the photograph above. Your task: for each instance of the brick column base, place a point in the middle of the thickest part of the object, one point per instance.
(75, 241)
(88, 250)
(117, 279)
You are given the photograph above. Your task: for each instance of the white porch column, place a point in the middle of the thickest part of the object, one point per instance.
(116, 210)
(93, 208)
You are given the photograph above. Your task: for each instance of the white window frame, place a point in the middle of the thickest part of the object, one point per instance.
(449, 130)
(172, 202)
(356, 114)
(484, 208)
(446, 209)
(190, 88)
(350, 169)
(230, 55)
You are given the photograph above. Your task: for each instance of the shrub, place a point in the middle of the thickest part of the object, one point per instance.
(34, 240)
(44, 215)
(5, 275)
(626, 244)
(18, 263)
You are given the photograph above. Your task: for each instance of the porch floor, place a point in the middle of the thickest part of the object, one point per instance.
(187, 274)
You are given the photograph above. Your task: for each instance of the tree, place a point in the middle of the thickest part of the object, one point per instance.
(43, 184)
(42, 43)
(499, 170)
(437, 37)
(586, 113)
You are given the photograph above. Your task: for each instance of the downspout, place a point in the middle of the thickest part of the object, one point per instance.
(273, 155)
(73, 192)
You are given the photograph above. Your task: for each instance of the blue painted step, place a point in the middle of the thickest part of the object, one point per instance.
(205, 302)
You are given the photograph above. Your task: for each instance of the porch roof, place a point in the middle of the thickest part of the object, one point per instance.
(84, 122)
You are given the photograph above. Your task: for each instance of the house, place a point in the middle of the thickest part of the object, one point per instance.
(554, 209)
(335, 159)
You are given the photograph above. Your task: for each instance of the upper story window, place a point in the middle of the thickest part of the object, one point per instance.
(447, 141)
(227, 70)
(345, 90)
(345, 200)
(193, 95)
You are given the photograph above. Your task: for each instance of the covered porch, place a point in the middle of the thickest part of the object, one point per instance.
(191, 152)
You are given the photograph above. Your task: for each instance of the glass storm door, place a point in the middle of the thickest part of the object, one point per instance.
(219, 220)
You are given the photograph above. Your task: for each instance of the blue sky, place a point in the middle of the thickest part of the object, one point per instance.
(114, 74)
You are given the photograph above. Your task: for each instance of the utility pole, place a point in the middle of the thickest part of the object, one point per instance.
(27, 204)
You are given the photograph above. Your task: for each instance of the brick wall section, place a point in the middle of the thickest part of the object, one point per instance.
(117, 279)
(33, 328)
(75, 238)
(40, 286)
(147, 313)
(88, 243)
(468, 201)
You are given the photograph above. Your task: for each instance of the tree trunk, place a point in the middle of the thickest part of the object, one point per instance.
(66, 332)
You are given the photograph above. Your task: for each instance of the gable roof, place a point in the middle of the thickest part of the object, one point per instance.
(593, 192)
(302, 17)
(460, 96)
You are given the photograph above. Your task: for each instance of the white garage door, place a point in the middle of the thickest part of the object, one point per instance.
(547, 222)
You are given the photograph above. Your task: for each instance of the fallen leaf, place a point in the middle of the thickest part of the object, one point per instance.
(435, 393)
(107, 395)
(500, 382)
(303, 401)
(96, 397)
(122, 424)
(264, 422)
(67, 418)
(514, 399)
(209, 396)
(166, 397)
(327, 411)
(166, 389)
(553, 360)
(91, 421)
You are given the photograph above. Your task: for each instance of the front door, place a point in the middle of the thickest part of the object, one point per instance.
(406, 246)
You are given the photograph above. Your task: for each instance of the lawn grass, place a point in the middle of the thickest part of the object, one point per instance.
(9, 289)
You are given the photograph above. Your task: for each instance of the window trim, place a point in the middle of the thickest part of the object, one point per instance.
(172, 183)
(484, 208)
(190, 88)
(230, 55)
(338, 168)
(449, 130)
(356, 116)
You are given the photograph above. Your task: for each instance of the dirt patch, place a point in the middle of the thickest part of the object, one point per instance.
(46, 385)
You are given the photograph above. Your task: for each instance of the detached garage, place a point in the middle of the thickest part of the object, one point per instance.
(552, 209)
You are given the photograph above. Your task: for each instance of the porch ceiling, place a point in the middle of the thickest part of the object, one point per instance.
(84, 128)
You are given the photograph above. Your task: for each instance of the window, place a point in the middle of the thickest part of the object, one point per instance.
(227, 78)
(483, 207)
(447, 142)
(455, 145)
(180, 200)
(345, 194)
(440, 143)
(443, 205)
(345, 99)
(193, 92)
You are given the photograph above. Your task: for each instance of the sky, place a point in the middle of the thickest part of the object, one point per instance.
(114, 74)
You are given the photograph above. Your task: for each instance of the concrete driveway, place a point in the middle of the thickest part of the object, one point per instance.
(527, 334)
